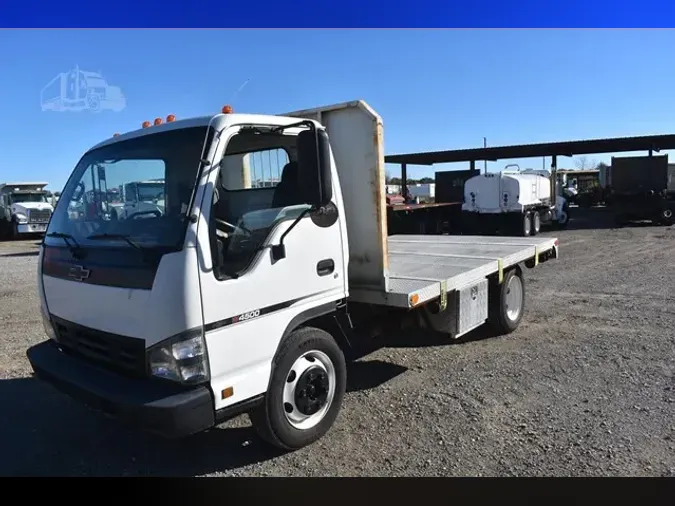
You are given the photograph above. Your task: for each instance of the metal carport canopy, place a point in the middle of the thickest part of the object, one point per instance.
(569, 148)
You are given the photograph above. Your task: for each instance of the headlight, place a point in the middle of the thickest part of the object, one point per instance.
(183, 359)
(21, 218)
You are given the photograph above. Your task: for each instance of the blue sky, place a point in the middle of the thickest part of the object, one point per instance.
(435, 89)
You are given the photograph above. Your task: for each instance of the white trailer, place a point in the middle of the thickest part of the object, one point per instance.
(513, 202)
(243, 299)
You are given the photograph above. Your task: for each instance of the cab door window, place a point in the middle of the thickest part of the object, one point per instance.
(257, 188)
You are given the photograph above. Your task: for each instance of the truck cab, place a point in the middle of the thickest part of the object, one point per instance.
(145, 197)
(270, 254)
(24, 209)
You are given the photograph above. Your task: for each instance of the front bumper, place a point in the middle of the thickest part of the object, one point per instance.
(32, 228)
(164, 409)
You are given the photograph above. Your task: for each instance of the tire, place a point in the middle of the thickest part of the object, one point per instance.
(291, 369)
(526, 225)
(15, 231)
(536, 223)
(94, 103)
(507, 302)
(562, 224)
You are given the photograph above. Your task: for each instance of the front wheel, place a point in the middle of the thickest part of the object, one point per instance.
(563, 218)
(666, 216)
(307, 385)
(15, 230)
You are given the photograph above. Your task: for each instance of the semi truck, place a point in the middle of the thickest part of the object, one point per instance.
(513, 202)
(24, 209)
(243, 299)
(641, 188)
(140, 196)
(79, 90)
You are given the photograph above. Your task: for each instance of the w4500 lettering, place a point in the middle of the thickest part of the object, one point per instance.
(247, 316)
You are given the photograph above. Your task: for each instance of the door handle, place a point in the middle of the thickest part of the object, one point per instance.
(325, 267)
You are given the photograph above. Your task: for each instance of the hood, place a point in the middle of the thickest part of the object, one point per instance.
(24, 207)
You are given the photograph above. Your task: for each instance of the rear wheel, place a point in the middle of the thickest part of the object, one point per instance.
(507, 302)
(536, 223)
(305, 392)
(526, 225)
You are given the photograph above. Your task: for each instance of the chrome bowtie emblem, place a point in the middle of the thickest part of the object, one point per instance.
(78, 273)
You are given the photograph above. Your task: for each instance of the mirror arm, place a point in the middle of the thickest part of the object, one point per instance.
(279, 250)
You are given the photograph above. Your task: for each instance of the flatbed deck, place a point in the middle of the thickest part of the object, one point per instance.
(419, 264)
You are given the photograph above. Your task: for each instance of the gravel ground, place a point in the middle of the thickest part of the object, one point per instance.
(584, 387)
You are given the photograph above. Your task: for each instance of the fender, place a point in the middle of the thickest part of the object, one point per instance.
(303, 317)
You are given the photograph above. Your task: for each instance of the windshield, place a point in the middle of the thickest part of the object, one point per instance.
(149, 192)
(28, 197)
(90, 204)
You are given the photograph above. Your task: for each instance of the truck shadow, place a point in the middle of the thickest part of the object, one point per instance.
(21, 254)
(45, 433)
(368, 374)
(600, 218)
(424, 338)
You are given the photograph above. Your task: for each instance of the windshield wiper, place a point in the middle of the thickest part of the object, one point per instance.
(75, 251)
(122, 237)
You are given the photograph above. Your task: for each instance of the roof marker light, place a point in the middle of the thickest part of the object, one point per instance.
(227, 109)
(158, 121)
(145, 124)
(170, 118)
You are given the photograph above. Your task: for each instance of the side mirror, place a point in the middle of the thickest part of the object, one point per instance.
(79, 191)
(314, 167)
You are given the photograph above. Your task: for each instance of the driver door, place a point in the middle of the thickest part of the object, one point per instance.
(249, 304)
(130, 200)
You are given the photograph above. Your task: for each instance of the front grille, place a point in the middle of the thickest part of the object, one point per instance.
(39, 215)
(125, 355)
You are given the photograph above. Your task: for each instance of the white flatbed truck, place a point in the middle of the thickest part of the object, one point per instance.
(241, 298)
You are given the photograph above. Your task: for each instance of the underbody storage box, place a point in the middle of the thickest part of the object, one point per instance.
(466, 309)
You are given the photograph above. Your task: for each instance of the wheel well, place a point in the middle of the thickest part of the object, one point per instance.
(494, 278)
(321, 317)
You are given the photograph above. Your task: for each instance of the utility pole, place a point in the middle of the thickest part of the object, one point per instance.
(485, 161)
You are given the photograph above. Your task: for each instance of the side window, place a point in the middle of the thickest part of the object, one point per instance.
(256, 190)
(129, 193)
(266, 167)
